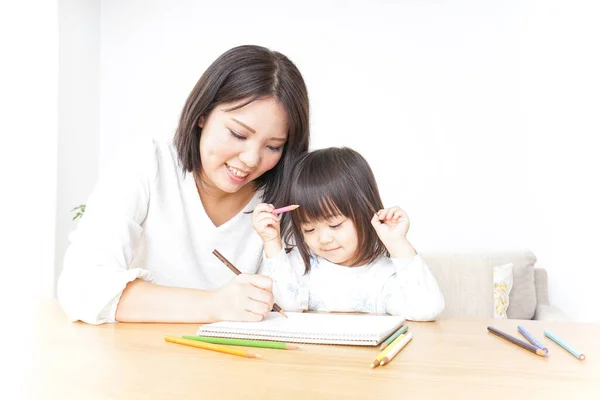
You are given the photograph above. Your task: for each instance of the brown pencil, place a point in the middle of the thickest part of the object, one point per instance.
(516, 341)
(237, 272)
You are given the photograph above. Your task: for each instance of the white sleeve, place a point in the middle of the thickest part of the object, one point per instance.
(290, 284)
(412, 292)
(96, 265)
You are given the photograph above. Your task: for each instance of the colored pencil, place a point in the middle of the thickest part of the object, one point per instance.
(284, 209)
(396, 349)
(385, 351)
(389, 340)
(213, 347)
(516, 341)
(237, 272)
(244, 342)
(564, 345)
(531, 339)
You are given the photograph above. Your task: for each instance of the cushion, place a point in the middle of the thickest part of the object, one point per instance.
(523, 295)
(503, 283)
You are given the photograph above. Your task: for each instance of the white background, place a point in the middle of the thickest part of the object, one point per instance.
(479, 118)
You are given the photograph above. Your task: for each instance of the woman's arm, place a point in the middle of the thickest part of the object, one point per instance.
(96, 265)
(143, 301)
(245, 298)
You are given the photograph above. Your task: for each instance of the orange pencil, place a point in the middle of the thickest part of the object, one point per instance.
(284, 209)
(213, 347)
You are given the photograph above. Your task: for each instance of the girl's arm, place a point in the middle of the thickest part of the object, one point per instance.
(290, 284)
(412, 292)
(268, 227)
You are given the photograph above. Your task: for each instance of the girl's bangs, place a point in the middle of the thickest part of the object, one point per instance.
(316, 210)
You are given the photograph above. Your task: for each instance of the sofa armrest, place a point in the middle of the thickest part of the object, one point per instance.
(546, 312)
(541, 285)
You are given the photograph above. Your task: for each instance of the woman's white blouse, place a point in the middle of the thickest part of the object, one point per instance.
(144, 219)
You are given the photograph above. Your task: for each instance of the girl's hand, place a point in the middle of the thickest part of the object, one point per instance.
(245, 298)
(391, 225)
(266, 224)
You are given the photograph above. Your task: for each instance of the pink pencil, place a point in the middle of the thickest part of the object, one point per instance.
(284, 209)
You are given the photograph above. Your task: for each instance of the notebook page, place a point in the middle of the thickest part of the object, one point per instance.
(310, 328)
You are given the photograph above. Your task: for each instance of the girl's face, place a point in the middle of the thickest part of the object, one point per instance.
(335, 239)
(238, 146)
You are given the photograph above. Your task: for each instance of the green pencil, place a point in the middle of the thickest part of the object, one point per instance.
(389, 340)
(244, 342)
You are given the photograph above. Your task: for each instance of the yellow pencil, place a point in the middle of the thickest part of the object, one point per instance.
(213, 347)
(385, 351)
(396, 349)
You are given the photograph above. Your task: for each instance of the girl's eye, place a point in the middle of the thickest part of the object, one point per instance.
(275, 149)
(336, 226)
(308, 230)
(235, 135)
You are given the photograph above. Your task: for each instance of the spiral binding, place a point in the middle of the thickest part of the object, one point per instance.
(298, 338)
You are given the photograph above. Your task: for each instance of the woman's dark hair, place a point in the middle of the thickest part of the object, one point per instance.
(330, 182)
(248, 73)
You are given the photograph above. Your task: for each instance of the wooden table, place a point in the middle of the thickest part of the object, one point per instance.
(446, 359)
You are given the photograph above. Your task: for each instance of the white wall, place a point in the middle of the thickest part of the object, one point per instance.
(477, 117)
(78, 112)
(28, 127)
(559, 97)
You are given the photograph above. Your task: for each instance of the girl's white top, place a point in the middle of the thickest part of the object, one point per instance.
(404, 287)
(145, 220)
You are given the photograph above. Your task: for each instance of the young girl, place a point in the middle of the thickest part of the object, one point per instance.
(350, 253)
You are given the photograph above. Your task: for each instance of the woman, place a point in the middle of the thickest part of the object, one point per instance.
(143, 250)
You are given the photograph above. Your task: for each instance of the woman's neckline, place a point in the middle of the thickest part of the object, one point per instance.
(240, 208)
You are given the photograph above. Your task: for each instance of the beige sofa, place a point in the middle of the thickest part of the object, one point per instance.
(466, 279)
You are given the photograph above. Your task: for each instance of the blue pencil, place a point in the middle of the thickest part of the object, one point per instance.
(531, 339)
(565, 346)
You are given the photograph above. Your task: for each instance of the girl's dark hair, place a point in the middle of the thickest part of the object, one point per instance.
(248, 73)
(329, 182)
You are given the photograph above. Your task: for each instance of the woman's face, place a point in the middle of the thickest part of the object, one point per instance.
(238, 146)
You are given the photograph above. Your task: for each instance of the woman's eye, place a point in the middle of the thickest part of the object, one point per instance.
(275, 149)
(308, 230)
(235, 135)
(336, 226)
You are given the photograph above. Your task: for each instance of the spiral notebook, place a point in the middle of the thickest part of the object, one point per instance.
(349, 329)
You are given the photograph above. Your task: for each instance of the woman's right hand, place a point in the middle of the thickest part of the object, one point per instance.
(246, 298)
(266, 224)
